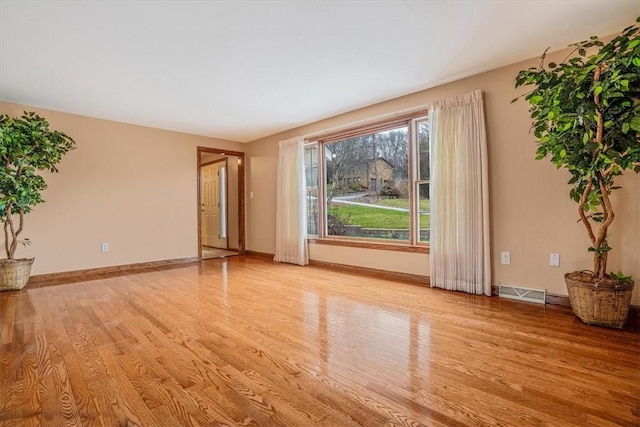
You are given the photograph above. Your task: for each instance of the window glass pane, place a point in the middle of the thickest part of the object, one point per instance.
(311, 171)
(367, 186)
(424, 209)
(423, 150)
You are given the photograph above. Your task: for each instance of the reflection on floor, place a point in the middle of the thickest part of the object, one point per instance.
(209, 252)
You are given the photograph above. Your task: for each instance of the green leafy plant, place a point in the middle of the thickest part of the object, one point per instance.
(27, 146)
(620, 277)
(586, 116)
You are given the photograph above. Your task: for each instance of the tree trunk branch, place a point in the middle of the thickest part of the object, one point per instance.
(21, 223)
(600, 258)
(596, 100)
(609, 215)
(11, 250)
(6, 238)
(583, 217)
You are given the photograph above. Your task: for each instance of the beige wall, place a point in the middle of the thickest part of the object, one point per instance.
(233, 202)
(131, 186)
(209, 157)
(531, 213)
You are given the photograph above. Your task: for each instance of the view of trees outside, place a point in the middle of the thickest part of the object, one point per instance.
(367, 185)
(423, 151)
(366, 178)
(424, 176)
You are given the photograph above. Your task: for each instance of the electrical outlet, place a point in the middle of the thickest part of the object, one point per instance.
(554, 260)
(505, 258)
(104, 247)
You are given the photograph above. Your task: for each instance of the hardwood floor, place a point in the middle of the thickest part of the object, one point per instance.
(209, 252)
(242, 341)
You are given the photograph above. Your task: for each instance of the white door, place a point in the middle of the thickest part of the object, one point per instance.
(212, 215)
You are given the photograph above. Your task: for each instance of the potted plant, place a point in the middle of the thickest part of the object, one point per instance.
(27, 146)
(586, 117)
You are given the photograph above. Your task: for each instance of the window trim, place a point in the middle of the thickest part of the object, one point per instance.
(413, 244)
(354, 242)
(368, 128)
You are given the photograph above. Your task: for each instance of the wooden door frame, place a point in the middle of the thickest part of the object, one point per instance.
(241, 201)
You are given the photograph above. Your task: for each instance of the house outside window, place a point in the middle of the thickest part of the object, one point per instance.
(371, 183)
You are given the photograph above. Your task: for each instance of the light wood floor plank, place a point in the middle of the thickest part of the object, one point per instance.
(243, 341)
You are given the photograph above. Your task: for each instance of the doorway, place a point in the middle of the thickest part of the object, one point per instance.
(220, 203)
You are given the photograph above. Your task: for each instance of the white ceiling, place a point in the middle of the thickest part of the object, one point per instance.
(241, 70)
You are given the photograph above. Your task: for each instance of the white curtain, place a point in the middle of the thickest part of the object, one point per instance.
(460, 253)
(291, 211)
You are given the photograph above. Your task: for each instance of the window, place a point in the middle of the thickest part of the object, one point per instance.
(423, 174)
(311, 174)
(371, 182)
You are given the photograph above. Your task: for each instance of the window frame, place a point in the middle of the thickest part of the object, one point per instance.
(413, 244)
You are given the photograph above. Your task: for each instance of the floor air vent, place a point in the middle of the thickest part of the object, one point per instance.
(523, 294)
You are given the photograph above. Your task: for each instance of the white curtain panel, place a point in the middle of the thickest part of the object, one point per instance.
(460, 254)
(291, 211)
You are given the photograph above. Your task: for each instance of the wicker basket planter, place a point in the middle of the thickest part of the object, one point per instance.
(14, 273)
(603, 303)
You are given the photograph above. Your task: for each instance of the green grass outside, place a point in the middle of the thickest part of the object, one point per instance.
(404, 203)
(370, 217)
